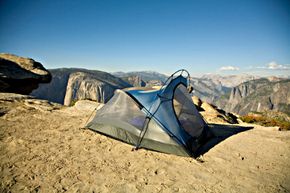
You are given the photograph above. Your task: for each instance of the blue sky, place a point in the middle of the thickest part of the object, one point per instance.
(203, 36)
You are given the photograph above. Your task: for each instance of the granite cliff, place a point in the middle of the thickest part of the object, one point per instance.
(258, 95)
(82, 85)
(69, 84)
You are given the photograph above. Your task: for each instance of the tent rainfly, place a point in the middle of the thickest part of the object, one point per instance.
(164, 120)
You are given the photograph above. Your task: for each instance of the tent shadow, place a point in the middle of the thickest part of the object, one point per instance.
(218, 133)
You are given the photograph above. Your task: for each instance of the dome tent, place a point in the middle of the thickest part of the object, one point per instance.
(164, 120)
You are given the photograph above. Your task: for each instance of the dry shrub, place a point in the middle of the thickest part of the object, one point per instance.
(266, 121)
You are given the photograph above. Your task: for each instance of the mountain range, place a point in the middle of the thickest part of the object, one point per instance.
(39, 138)
(237, 93)
(257, 95)
(230, 80)
(240, 94)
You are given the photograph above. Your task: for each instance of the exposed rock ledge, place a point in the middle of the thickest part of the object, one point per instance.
(21, 75)
(212, 114)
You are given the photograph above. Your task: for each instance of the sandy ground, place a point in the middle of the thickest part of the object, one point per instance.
(43, 148)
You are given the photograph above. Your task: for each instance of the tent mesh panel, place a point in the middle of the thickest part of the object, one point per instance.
(123, 108)
(186, 112)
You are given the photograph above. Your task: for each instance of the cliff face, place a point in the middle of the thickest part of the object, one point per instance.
(21, 75)
(86, 86)
(56, 89)
(258, 95)
(69, 84)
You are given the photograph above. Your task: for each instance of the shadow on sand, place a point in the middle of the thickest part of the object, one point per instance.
(218, 133)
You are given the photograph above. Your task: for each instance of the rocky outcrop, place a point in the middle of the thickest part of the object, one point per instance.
(258, 95)
(213, 114)
(87, 105)
(21, 75)
(56, 91)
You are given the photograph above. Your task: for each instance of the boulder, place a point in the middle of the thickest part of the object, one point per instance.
(213, 114)
(86, 105)
(21, 75)
(208, 107)
(196, 101)
(13, 97)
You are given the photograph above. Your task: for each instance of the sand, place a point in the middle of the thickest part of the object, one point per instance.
(43, 148)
